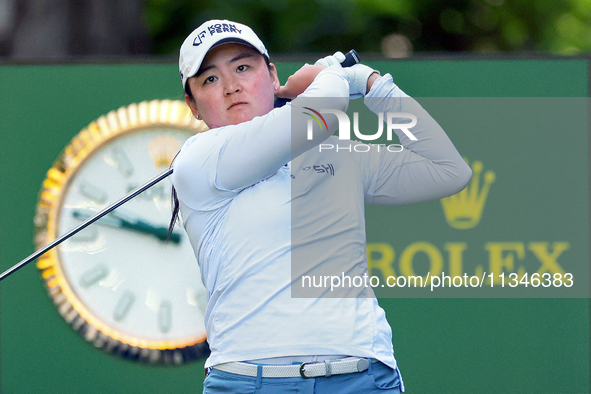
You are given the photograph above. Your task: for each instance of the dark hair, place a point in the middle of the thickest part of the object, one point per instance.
(174, 202)
(188, 91)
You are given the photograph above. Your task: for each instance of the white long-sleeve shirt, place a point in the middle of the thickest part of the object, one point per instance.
(258, 222)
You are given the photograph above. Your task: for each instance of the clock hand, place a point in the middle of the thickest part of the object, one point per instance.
(142, 226)
(119, 220)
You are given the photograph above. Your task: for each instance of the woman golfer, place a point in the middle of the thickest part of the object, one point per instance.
(266, 202)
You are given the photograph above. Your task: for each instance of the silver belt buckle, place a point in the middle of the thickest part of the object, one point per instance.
(302, 372)
(328, 370)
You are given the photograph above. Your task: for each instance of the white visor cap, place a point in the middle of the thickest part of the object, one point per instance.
(211, 34)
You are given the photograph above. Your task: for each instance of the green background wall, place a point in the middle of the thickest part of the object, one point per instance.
(461, 345)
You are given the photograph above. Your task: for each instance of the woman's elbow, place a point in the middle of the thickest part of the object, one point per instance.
(461, 179)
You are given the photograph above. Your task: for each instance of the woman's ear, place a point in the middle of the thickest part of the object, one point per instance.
(193, 106)
(275, 78)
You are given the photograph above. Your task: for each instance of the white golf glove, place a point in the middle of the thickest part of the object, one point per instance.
(328, 61)
(358, 74)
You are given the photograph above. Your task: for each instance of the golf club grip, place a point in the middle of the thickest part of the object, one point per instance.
(351, 58)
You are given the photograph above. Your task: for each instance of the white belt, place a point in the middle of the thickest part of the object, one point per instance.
(305, 370)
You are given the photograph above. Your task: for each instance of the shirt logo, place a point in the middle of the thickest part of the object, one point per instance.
(321, 169)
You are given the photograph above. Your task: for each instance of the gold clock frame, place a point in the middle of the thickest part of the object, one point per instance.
(125, 120)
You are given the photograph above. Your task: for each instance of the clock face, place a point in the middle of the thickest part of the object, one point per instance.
(120, 281)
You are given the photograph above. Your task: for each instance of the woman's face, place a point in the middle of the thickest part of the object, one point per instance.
(232, 86)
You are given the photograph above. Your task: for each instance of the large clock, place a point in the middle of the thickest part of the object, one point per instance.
(120, 282)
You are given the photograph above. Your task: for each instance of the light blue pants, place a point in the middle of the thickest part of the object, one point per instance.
(379, 378)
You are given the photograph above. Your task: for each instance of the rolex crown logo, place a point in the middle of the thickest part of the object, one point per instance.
(464, 209)
(163, 149)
